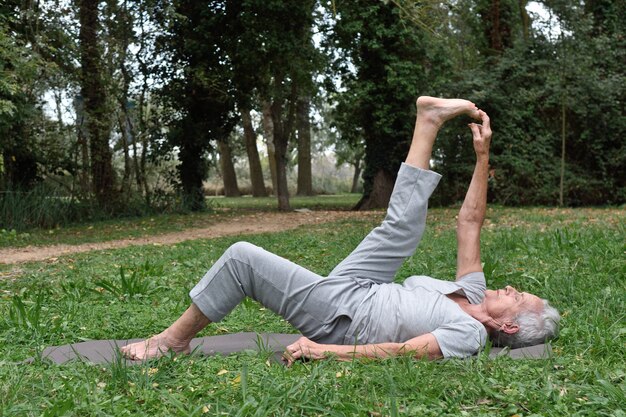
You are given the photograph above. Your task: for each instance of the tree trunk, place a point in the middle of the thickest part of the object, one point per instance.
(124, 20)
(64, 131)
(305, 179)
(497, 19)
(495, 37)
(58, 101)
(138, 176)
(525, 19)
(125, 191)
(268, 127)
(144, 112)
(144, 156)
(3, 176)
(256, 172)
(83, 142)
(127, 138)
(282, 190)
(140, 161)
(356, 177)
(192, 169)
(19, 162)
(231, 189)
(281, 140)
(6, 168)
(95, 104)
(381, 192)
(562, 181)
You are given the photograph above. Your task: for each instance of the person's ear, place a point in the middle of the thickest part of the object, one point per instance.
(509, 327)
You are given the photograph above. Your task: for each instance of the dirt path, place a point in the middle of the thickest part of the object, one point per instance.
(261, 222)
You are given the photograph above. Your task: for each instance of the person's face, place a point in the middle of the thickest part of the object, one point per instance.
(507, 303)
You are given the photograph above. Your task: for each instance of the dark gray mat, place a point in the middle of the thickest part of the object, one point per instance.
(105, 351)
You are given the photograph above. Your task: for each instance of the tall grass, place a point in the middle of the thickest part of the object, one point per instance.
(131, 286)
(40, 207)
(46, 207)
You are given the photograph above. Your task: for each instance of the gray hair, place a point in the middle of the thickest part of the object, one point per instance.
(534, 328)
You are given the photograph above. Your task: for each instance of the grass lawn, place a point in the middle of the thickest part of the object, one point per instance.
(220, 209)
(320, 202)
(575, 258)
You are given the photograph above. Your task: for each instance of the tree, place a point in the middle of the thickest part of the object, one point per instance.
(153, 81)
(231, 189)
(275, 57)
(17, 111)
(97, 111)
(198, 90)
(340, 131)
(256, 173)
(310, 60)
(499, 18)
(242, 51)
(549, 95)
(384, 62)
(23, 75)
(305, 178)
(289, 42)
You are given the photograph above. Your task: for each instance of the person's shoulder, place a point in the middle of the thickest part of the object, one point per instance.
(424, 282)
(461, 337)
(474, 286)
(477, 277)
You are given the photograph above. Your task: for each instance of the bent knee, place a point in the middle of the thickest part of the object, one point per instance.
(242, 250)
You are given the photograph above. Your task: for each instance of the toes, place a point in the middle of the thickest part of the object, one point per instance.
(129, 352)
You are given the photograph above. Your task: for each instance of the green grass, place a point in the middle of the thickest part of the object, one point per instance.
(134, 227)
(576, 258)
(321, 202)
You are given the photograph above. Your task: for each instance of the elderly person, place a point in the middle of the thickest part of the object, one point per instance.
(358, 311)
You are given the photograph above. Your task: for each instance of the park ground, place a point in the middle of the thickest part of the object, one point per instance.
(129, 278)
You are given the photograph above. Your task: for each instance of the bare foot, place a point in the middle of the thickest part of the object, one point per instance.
(439, 110)
(154, 347)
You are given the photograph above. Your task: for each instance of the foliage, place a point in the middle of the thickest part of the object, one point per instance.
(177, 73)
(530, 81)
(551, 252)
(536, 91)
(196, 90)
(385, 63)
(277, 64)
(19, 70)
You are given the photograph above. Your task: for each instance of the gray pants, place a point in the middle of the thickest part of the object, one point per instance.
(321, 308)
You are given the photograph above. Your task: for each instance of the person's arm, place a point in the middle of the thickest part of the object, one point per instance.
(424, 346)
(472, 214)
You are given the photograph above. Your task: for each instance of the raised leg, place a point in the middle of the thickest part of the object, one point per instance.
(382, 252)
(432, 113)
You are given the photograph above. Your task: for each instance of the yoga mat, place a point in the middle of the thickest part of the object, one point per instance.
(104, 351)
